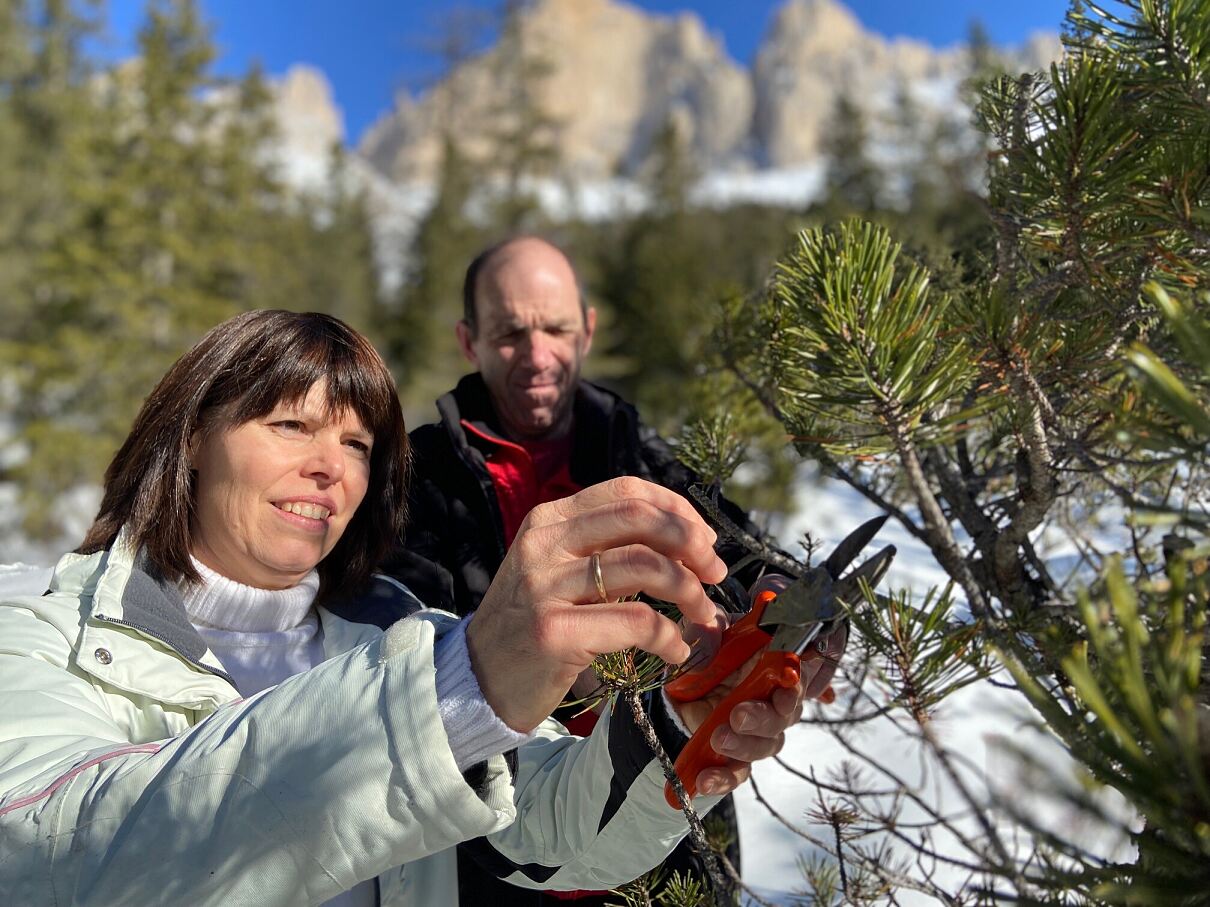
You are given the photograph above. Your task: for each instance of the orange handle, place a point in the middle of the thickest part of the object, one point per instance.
(739, 643)
(775, 669)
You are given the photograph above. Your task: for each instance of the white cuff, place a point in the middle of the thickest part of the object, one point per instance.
(475, 732)
(673, 715)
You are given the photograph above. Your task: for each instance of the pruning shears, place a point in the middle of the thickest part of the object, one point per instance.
(783, 624)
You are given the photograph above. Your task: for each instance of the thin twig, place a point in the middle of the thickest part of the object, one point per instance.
(727, 526)
(697, 834)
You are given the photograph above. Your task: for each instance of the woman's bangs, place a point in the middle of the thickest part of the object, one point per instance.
(358, 382)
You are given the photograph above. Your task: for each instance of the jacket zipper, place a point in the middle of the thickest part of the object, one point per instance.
(149, 632)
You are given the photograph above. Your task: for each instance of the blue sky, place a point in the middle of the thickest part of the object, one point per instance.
(372, 48)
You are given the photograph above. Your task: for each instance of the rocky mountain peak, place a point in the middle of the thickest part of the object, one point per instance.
(822, 24)
(614, 77)
(307, 114)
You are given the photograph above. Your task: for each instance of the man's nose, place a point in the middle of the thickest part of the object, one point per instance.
(540, 350)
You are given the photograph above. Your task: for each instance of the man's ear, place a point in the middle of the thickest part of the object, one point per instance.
(590, 327)
(465, 339)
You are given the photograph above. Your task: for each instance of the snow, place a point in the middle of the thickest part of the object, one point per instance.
(23, 579)
(786, 187)
(973, 723)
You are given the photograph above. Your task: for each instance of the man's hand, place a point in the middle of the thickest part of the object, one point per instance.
(542, 622)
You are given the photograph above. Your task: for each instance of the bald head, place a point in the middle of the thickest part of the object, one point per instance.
(527, 330)
(524, 252)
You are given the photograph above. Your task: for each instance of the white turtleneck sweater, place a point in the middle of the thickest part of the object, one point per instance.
(263, 636)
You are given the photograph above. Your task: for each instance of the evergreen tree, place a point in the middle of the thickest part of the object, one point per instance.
(43, 108)
(982, 411)
(44, 105)
(168, 218)
(852, 181)
(16, 62)
(319, 252)
(655, 276)
(654, 285)
(418, 332)
(524, 137)
(346, 278)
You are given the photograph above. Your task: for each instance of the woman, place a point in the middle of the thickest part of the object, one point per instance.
(184, 717)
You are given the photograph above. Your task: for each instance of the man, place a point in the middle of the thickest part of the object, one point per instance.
(522, 430)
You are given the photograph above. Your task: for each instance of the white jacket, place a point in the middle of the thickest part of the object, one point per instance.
(131, 773)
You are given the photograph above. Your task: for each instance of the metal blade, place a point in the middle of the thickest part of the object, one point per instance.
(850, 546)
(871, 570)
(799, 612)
(814, 603)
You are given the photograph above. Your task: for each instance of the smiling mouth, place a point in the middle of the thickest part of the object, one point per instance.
(301, 508)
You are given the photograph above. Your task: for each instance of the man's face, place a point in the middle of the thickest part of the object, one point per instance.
(531, 338)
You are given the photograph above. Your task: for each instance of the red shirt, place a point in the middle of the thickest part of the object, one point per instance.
(524, 475)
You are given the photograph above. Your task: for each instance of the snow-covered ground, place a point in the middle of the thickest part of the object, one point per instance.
(976, 724)
(973, 723)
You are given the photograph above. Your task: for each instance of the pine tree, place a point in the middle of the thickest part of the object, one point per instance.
(418, 331)
(852, 181)
(653, 284)
(524, 137)
(170, 220)
(984, 410)
(346, 275)
(44, 105)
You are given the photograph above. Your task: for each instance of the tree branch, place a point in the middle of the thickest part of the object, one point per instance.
(939, 536)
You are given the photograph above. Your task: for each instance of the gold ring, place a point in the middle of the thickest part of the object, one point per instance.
(597, 578)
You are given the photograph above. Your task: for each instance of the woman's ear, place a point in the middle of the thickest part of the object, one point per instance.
(191, 449)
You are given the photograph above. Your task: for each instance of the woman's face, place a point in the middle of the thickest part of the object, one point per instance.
(274, 495)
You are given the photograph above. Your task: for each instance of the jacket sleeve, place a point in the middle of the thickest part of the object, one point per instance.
(591, 811)
(289, 797)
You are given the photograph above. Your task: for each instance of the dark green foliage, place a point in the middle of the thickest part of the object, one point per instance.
(1132, 719)
(658, 889)
(918, 650)
(524, 137)
(146, 210)
(854, 182)
(418, 328)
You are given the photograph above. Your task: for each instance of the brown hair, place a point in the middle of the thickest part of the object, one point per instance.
(241, 370)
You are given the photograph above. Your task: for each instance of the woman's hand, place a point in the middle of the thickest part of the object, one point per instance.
(542, 620)
(757, 728)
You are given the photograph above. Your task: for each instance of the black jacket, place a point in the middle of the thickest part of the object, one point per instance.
(454, 541)
(454, 544)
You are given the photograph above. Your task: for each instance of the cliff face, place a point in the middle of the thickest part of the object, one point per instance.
(816, 50)
(596, 82)
(606, 78)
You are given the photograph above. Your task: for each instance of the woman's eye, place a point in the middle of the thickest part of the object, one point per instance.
(288, 425)
(361, 447)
